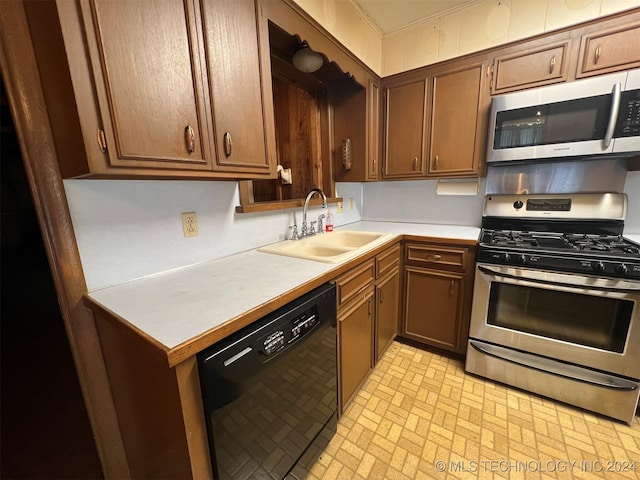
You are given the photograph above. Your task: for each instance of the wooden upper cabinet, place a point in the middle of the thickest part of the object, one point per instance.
(148, 83)
(171, 88)
(610, 50)
(532, 68)
(240, 87)
(457, 126)
(405, 127)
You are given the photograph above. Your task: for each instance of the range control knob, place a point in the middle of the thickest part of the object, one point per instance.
(621, 268)
(597, 266)
(521, 259)
(518, 204)
(506, 257)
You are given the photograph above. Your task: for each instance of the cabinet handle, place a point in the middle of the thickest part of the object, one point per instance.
(228, 144)
(369, 307)
(451, 288)
(597, 56)
(381, 296)
(552, 64)
(415, 163)
(437, 162)
(374, 165)
(435, 257)
(189, 138)
(102, 140)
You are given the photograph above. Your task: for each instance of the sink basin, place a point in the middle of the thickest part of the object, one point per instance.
(332, 247)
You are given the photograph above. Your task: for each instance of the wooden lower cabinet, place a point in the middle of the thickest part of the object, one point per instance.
(438, 282)
(355, 331)
(368, 299)
(387, 308)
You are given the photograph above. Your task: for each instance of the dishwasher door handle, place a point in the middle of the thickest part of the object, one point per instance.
(237, 356)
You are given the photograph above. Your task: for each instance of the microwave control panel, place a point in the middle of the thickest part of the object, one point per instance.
(629, 115)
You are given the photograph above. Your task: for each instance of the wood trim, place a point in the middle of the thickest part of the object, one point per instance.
(194, 420)
(276, 204)
(28, 106)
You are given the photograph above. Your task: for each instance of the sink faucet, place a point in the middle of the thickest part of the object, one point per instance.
(305, 232)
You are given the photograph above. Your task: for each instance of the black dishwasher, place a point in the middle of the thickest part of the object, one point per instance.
(270, 391)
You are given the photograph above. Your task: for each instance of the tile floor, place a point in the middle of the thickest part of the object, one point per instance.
(419, 416)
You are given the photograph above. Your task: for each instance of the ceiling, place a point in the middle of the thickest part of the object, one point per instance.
(392, 15)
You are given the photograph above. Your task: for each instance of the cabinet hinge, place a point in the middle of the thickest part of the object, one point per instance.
(102, 140)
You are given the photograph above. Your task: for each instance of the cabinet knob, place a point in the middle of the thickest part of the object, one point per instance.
(228, 144)
(597, 55)
(189, 138)
(552, 64)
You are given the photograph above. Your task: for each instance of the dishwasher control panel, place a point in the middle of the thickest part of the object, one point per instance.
(274, 342)
(297, 328)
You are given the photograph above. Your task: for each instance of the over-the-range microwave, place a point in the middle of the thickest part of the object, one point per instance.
(590, 117)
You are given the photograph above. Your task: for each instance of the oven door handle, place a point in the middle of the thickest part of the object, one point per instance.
(554, 367)
(493, 273)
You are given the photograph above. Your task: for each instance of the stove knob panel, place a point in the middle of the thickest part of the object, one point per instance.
(621, 268)
(597, 266)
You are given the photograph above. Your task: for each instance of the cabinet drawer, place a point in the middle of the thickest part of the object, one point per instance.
(387, 261)
(609, 51)
(355, 281)
(530, 69)
(439, 257)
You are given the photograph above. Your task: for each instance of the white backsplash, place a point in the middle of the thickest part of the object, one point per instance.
(128, 229)
(632, 189)
(417, 201)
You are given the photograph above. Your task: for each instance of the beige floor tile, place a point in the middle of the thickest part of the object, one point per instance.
(419, 417)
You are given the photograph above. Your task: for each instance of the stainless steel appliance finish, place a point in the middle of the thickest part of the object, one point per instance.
(270, 391)
(556, 306)
(594, 175)
(596, 116)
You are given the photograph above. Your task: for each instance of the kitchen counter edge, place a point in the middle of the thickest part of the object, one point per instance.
(103, 304)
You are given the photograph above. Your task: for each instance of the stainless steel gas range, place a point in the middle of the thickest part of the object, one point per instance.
(556, 308)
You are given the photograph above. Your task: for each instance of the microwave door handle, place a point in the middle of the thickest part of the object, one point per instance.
(613, 114)
(492, 273)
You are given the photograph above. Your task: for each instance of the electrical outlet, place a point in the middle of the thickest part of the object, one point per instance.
(351, 203)
(190, 224)
(339, 207)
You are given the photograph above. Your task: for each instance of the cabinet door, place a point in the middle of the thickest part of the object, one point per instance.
(530, 69)
(610, 51)
(148, 82)
(405, 130)
(239, 84)
(433, 308)
(456, 145)
(355, 339)
(387, 309)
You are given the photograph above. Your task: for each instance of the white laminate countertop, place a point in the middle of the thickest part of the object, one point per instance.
(177, 306)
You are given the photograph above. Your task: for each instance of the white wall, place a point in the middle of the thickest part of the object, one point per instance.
(128, 229)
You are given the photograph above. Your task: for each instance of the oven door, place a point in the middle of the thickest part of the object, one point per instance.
(582, 320)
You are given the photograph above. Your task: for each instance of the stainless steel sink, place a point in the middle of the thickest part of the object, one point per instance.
(332, 247)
